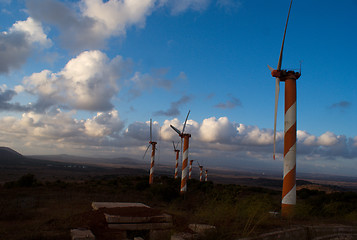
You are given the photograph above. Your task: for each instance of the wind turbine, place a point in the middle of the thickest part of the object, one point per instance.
(190, 169)
(206, 175)
(153, 148)
(289, 77)
(185, 137)
(177, 151)
(201, 170)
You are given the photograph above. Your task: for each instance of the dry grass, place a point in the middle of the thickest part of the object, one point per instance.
(38, 210)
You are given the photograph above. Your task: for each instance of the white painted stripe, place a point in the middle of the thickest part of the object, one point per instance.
(290, 160)
(290, 117)
(290, 198)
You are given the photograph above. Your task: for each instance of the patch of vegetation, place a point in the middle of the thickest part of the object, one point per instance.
(48, 210)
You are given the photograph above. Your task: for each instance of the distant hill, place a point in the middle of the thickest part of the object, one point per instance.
(9, 156)
(90, 160)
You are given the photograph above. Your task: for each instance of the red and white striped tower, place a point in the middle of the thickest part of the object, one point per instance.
(151, 178)
(289, 77)
(206, 176)
(190, 170)
(289, 182)
(177, 162)
(186, 138)
(201, 173)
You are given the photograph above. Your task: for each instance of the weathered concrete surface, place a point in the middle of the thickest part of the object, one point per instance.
(97, 205)
(202, 229)
(82, 234)
(323, 232)
(140, 226)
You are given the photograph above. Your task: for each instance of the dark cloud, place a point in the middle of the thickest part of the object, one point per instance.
(5, 105)
(76, 30)
(14, 50)
(232, 103)
(174, 111)
(341, 105)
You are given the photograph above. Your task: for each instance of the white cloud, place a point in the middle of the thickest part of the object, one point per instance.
(18, 43)
(33, 31)
(213, 129)
(114, 16)
(327, 139)
(88, 81)
(104, 124)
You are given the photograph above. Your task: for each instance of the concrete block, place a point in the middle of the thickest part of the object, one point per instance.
(97, 205)
(82, 234)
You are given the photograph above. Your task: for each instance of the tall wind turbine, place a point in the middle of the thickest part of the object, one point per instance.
(206, 175)
(185, 137)
(201, 171)
(153, 148)
(190, 169)
(177, 151)
(289, 77)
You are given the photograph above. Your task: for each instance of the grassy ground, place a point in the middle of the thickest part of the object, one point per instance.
(30, 209)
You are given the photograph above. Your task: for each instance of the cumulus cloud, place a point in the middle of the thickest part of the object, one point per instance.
(213, 129)
(174, 107)
(94, 22)
(88, 81)
(17, 44)
(33, 32)
(62, 129)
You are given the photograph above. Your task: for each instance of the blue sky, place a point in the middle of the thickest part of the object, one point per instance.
(84, 77)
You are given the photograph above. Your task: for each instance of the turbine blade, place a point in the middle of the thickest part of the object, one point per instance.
(173, 143)
(146, 151)
(277, 89)
(184, 125)
(282, 45)
(150, 130)
(176, 130)
(270, 68)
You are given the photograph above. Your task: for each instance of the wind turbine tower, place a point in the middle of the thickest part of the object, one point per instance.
(190, 169)
(201, 171)
(186, 138)
(153, 148)
(206, 175)
(289, 181)
(177, 151)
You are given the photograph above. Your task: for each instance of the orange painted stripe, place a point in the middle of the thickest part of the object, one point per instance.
(289, 138)
(289, 181)
(290, 93)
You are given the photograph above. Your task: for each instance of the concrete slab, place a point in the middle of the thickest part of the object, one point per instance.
(97, 205)
(134, 219)
(140, 226)
(82, 234)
